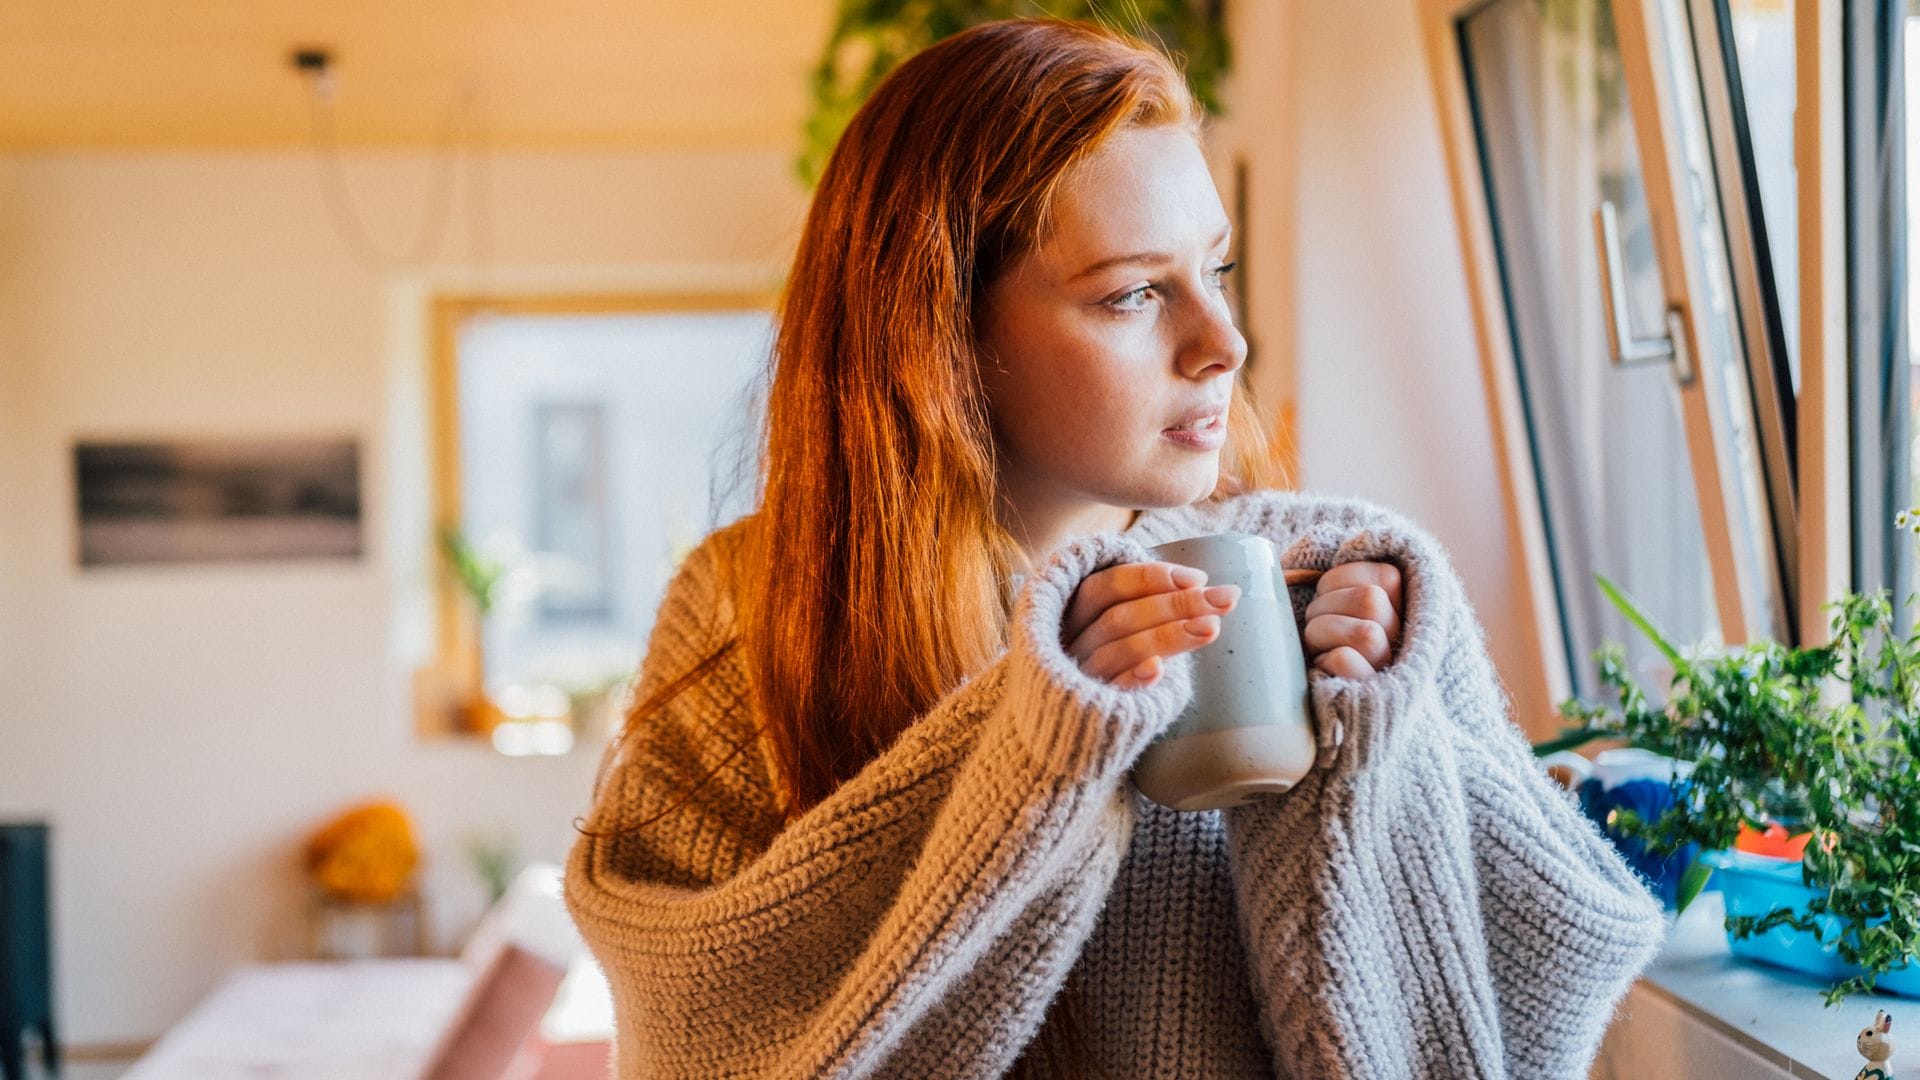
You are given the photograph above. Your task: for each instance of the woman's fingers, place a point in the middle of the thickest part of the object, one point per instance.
(1343, 662)
(1144, 673)
(1365, 638)
(1116, 658)
(1125, 621)
(1353, 624)
(1117, 584)
(1363, 572)
(1134, 616)
(1361, 602)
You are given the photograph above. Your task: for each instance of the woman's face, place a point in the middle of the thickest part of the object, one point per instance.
(1101, 348)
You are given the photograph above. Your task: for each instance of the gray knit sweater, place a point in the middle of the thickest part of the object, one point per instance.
(1425, 903)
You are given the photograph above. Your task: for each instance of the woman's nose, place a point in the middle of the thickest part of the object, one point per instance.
(1212, 341)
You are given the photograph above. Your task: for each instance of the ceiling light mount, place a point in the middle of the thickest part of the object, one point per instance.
(316, 66)
(312, 61)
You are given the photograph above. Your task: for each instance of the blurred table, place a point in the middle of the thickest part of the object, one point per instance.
(315, 1021)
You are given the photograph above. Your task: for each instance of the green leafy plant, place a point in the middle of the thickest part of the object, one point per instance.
(480, 576)
(871, 37)
(1824, 740)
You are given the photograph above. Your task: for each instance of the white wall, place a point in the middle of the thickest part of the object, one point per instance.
(183, 727)
(12, 513)
(1381, 348)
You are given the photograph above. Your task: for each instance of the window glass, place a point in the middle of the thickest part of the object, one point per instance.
(595, 451)
(1557, 139)
(1723, 349)
(1903, 572)
(1763, 45)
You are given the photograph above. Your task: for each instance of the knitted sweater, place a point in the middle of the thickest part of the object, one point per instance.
(1426, 902)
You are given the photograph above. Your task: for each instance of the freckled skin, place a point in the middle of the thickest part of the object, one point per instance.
(1088, 358)
(1084, 372)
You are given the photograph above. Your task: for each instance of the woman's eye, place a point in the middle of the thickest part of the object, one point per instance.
(1135, 299)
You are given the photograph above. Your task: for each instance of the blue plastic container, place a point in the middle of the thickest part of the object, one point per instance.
(1649, 798)
(1755, 885)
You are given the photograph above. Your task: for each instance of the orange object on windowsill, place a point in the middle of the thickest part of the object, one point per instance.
(1774, 842)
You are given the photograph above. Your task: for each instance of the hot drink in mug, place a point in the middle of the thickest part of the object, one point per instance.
(1248, 731)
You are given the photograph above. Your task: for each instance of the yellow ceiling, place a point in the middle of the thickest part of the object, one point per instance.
(529, 73)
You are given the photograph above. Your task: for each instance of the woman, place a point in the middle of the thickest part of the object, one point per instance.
(869, 814)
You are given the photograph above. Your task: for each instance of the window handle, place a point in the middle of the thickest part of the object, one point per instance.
(1626, 349)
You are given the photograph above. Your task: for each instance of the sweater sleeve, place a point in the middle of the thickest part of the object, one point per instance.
(917, 921)
(1569, 925)
(1415, 907)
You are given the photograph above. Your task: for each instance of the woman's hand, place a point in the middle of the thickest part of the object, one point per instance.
(1124, 620)
(1353, 624)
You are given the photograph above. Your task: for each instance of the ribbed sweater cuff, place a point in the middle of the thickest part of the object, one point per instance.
(1363, 722)
(1569, 928)
(1080, 720)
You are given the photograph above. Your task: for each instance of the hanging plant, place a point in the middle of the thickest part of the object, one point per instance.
(871, 37)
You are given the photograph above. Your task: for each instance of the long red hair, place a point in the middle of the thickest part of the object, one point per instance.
(879, 456)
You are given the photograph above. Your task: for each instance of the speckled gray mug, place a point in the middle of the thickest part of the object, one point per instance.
(1248, 732)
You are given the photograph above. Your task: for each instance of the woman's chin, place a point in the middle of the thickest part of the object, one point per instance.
(1179, 487)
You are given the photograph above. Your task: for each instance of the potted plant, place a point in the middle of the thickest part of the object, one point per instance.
(1822, 743)
(481, 579)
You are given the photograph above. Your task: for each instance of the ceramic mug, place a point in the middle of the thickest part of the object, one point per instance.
(1248, 731)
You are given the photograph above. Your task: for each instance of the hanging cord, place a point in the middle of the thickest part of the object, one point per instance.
(464, 114)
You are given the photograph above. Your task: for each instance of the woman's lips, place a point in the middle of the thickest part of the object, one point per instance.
(1207, 434)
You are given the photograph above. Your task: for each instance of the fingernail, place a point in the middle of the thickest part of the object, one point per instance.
(1202, 626)
(1147, 670)
(1187, 577)
(1222, 596)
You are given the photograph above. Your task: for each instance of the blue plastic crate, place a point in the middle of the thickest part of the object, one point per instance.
(1649, 798)
(1757, 884)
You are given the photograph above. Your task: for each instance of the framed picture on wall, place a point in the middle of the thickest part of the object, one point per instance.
(217, 500)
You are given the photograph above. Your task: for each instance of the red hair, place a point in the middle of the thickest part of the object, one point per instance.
(879, 456)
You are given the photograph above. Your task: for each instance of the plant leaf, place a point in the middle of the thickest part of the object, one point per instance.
(1570, 740)
(1694, 880)
(1637, 617)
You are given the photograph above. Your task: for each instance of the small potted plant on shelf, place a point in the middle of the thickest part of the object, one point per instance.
(361, 865)
(1797, 775)
(536, 710)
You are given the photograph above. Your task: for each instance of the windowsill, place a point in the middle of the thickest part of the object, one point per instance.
(1777, 1014)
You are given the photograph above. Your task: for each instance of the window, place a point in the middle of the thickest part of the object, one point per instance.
(585, 452)
(1608, 441)
(1629, 179)
(1887, 391)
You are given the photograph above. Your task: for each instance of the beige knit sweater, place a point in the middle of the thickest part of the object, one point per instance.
(1425, 903)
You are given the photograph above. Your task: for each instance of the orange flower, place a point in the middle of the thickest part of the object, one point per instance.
(366, 855)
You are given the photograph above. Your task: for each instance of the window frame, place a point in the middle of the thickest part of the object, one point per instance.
(1712, 456)
(1443, 28)
(1825, 523)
